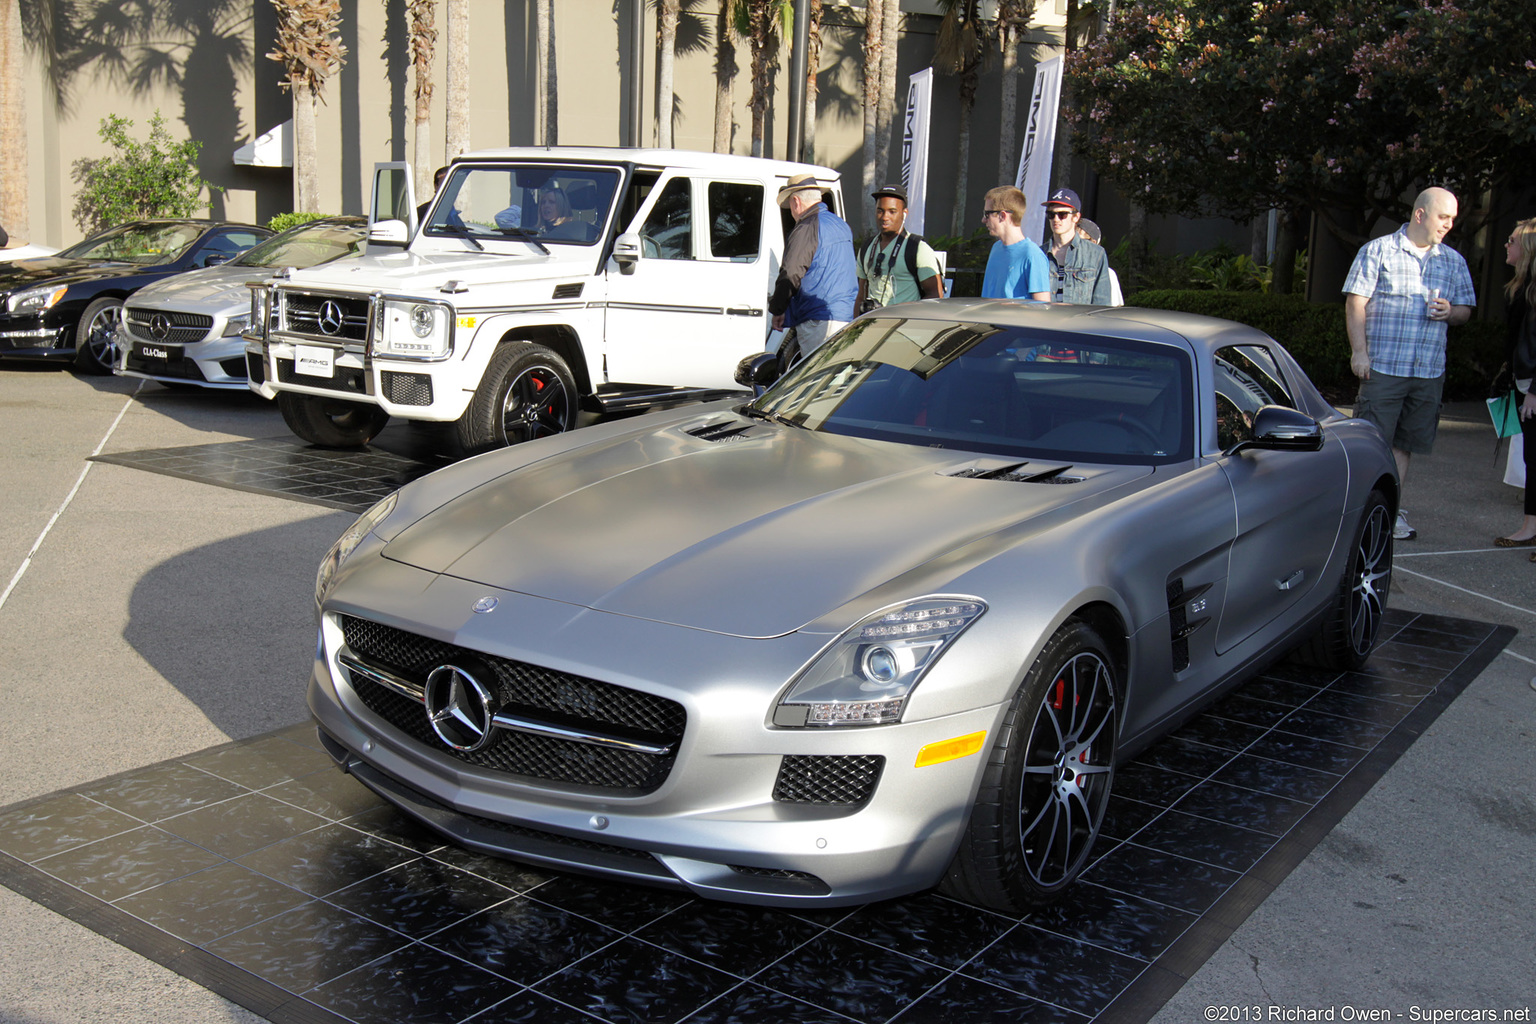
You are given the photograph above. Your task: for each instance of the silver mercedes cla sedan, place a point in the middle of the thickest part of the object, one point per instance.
(890, 624)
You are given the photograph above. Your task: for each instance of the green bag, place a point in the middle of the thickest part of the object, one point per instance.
(1505, 413)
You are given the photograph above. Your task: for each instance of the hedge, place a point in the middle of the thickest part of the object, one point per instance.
(1314, 334)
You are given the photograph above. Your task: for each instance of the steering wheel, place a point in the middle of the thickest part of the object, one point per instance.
(1132, 425)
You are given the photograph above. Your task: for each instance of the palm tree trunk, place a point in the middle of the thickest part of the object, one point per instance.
(812, 62)
(1007, 154)
(764, 41)
(456, 122)
(423, 44)
(726, 69)
(890, 24)
(13, 125)
(666, 29)
(551, 85)
(874, 37)
(968, 84)
(306, 164)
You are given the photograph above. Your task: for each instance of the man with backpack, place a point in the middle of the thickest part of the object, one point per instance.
(896, 266)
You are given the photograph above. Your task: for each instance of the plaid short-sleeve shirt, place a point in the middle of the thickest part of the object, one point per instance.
(1395, 276)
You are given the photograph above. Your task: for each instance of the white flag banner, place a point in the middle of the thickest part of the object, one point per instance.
(1034, 177)
(914, 147)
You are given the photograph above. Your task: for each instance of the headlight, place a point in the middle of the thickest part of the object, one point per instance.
(414, 330)
(235, 325)
(348, 543)
(867, 675)
(36, 300)
(258, 318)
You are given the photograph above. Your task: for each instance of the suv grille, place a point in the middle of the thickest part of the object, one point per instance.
(531, 691)
(332, 317)
(183, 327)
(818, 779)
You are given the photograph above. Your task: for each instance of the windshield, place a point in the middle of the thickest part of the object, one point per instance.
(308, 245)
(137, 243)
(996, 389)
(566, 205)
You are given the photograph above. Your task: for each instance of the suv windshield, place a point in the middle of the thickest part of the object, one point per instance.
(996, 389)
(137, 243)
(308, 245)
(566, 205)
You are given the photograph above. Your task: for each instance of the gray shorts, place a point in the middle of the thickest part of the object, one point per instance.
(1405, 409)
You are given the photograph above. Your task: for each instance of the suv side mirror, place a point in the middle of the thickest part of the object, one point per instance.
(626, 251)
(1277, 428)
(388, 232)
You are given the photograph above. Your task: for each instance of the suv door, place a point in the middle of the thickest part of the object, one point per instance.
(695, 301)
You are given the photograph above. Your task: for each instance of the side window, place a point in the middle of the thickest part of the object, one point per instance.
(1247, 378)
(735, 220)
(668, 231)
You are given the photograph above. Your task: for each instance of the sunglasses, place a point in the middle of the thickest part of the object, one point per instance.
(991, 213)
(1058, 214)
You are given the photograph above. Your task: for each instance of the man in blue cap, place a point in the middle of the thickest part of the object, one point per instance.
(1079, 268)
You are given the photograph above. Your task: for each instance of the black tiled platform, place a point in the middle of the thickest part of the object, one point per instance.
(351, 480)
(260, 871)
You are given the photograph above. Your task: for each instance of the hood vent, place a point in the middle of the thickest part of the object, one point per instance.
(1019, 472)
(720, 433)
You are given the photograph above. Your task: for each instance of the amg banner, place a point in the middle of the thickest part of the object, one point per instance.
(914, 147)
(1034, 176)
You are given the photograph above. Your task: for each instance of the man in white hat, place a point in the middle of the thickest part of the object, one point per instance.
(818, 280)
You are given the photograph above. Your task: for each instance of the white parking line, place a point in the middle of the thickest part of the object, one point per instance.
(37, 544)
(1464, 590)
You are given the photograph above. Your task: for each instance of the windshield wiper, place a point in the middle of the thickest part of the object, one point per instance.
(459, 231)
(762, 414)
(525, 235)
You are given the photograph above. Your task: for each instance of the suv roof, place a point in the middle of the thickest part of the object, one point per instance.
(723, 163)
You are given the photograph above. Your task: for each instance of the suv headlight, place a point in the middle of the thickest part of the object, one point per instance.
(866, 676)
(258, 320)
(36, 300)
(414, 330)
(348, 542)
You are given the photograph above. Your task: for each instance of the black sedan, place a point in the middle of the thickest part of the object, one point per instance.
(66, 306)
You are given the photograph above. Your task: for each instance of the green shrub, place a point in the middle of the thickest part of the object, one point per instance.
(284, 221)
(157, 178)
(1313, 332)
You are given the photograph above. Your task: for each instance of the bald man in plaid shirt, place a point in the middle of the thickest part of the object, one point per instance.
(1401, 293)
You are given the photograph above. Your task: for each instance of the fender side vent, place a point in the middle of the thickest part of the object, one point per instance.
(569, 291)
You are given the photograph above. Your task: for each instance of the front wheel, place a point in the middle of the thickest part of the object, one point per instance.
(331, 422)
(1349, 630)
(527, 392)
(1046, 785)
(96, 336)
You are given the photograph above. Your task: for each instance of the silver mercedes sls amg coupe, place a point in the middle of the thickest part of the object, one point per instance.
(890, 624)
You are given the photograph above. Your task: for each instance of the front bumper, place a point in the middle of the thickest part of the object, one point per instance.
(219, 363)
(33, 336)
(716, 825)
(401, 388)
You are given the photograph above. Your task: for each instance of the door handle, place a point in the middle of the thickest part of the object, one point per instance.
(743, 311)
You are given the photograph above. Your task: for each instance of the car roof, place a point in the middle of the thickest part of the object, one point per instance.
(718, 163)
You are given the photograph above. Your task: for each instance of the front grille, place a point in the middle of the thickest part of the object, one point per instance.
(406, 388)
(331, 317)
(848, 779)
(255, 368)
(533, 692)
(346, 378)
(181, 327)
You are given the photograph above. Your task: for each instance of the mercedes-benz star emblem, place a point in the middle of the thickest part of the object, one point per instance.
(330, 316)
(459, 708)
(160, 326)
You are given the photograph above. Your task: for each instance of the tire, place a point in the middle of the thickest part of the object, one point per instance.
(96, 336)
(527, 392)
(1047, 781)
(331, 422)
(1353, 622)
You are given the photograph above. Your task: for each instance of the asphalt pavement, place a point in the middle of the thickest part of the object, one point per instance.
(144, 617)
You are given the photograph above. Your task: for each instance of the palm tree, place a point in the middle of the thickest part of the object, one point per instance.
(812, 62)
(544, 57)
(456, 102)
(310, 52)
(874, 44)
(766, 19)
(1013, 17)
(885, 116)
(423, 48)
(666, 29)
(726, 69)
(13, 124)
(960, 50)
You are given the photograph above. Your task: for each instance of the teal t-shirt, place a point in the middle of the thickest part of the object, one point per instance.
(1016, 271)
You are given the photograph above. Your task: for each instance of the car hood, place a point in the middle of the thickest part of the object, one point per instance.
(501, 263)
(24, 273)
(207, 290)
(756, 535)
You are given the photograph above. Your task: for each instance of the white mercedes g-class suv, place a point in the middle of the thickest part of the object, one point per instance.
(541, 281)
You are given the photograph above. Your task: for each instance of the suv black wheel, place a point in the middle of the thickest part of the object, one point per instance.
(527, 392)
(331, 422)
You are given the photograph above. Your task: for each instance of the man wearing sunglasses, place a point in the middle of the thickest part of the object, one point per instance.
(1016, 268)
(1079, 268)
(896, 266)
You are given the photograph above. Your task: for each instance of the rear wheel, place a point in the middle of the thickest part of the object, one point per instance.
(527, 392)
(331, 422)
(96, 337)
(1046, 786)
(1349, 631)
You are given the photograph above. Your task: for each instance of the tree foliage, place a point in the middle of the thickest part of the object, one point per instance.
(154, 178)
(1344, 107)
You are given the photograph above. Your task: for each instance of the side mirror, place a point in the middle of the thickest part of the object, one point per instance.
(213, 259)
(758, 371)
(626, 251)
(1277, 428)
(389, 232)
